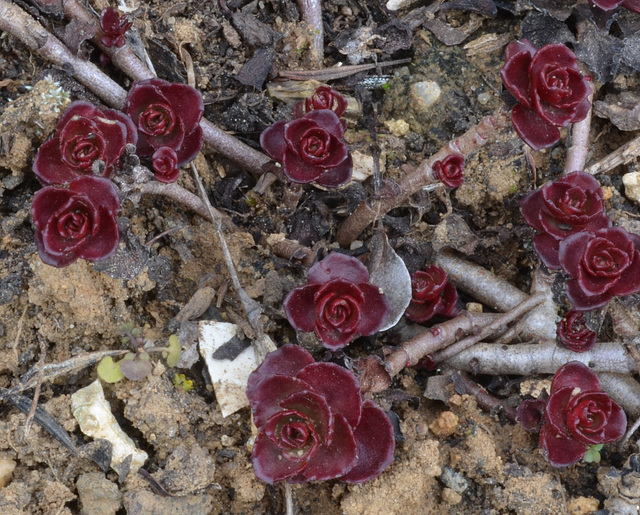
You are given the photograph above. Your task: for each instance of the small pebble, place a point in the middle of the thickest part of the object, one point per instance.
(6, 472)
(425, 93)
(227, 440)
(453, 480)
(582, 505)
(451, 497)
(483, 98)
(445, 425)
(631, 183)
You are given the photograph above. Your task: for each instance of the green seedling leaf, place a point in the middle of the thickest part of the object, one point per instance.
(593, 454)
(109, 371)
(173, 354)
(180, 381)
(135, 367)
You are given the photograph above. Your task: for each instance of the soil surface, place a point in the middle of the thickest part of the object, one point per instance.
(451, 457)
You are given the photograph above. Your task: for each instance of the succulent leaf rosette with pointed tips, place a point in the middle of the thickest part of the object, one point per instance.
(550, 90)
(313, 423)
(84, 134)
(338, 303)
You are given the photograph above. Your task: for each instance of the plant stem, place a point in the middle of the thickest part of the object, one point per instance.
(288, 498)
(19, 24)
(487, 402)
(542, 358)
(366, 213)
(312, 15)
(577, 152)
(435, 338)
(502, 320)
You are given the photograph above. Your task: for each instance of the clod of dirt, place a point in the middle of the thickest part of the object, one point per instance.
(98, 495)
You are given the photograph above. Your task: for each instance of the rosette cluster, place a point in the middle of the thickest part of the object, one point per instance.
(313, 423)
(576, 415)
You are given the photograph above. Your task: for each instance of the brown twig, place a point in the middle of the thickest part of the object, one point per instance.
(487, 402)
(435, 338)
(367, 212)
(621, 156)
(501, 321)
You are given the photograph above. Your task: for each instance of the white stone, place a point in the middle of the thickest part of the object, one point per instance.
(631, 183)
(425, 93)
(93, 413)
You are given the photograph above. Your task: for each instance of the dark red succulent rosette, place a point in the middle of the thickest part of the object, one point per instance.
(113, 27)
(573, 333)
(167, 115)
(578, 414)
(574, 203)
(84, 134)
(602, 264)
(338, 303)
(324, 97)
(310, 149)
(450, 170)
(312, 422)
(431, 295)
(76, 222)
(164, 163)
(608, 5)
(550, 90)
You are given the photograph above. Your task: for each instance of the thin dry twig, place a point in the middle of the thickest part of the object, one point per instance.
(621, 156)
(487, 402)
(502, 320)
(367, 212)
(338, 72)
(252, 309)
(36, 392)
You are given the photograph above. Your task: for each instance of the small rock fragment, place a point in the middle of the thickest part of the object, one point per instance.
(6, 471)
(425, 93)
(631, 183)
(397, 127)
(582, 505)
(98, 495)
(445, 425)
(93, 413)
(453, 480)
(451, 497)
